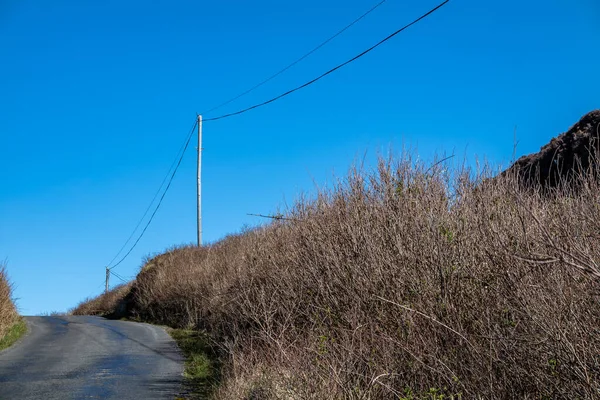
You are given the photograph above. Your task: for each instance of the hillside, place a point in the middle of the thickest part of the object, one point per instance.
(410, 281)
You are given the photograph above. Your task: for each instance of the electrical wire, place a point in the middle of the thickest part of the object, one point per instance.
(162, 197)
(118, 276)
(331, 70)
(263, 104)
(298, 60)
(232, 100)
(149, 205)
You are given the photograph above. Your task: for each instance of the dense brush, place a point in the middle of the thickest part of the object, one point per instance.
(402, 282)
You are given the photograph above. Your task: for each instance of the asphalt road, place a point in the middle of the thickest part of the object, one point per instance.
(82, 357)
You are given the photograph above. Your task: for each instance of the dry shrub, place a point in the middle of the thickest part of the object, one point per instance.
(406, 282)
(8, 311)
(107, 304)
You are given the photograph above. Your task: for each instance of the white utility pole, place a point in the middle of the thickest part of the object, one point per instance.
(199, 180)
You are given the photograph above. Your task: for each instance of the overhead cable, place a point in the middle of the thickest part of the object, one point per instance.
(298, 60)
(118, 276)
(149, 206)
(163, 195)
(331, 70)
(228, 102)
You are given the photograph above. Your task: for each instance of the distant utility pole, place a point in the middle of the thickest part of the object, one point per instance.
(199, 180)
(107, 276)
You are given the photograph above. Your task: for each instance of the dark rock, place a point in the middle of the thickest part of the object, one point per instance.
(566, 156)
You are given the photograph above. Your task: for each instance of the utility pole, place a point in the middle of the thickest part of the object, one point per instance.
(199, 180)
(107, 276)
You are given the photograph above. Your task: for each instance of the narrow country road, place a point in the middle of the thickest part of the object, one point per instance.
(82, 357)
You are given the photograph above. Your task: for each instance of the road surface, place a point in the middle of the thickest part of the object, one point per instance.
(83, 357)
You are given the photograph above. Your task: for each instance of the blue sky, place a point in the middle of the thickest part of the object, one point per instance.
(97, 98)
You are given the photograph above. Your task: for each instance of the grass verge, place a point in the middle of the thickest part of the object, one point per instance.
(201, 365)
(13, 334)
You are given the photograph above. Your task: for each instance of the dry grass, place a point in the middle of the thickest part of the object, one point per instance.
(8, 312)
(105, 305)
(405, 282)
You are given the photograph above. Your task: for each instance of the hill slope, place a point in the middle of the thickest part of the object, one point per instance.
(409, 281)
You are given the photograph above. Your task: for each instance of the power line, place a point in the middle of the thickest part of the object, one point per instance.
(163, 195)
(118, 276)
(233, 99)
(298, 60)
(263, 104)
(331, 70)
(149, 205)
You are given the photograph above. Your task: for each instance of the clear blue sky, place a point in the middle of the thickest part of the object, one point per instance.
(97, 97)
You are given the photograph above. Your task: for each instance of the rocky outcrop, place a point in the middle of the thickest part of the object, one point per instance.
(565, 157)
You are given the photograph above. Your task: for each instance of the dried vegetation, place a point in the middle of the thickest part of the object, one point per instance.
(406, 282)
(8, 312)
